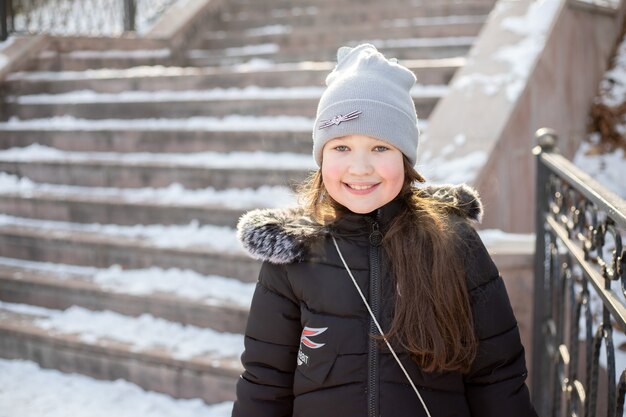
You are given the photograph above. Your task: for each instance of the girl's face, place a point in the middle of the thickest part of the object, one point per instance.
(362, 173)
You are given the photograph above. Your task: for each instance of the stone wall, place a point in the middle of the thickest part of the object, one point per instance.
(494, 106)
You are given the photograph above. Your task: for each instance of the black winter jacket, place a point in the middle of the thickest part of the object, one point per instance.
(307, 346)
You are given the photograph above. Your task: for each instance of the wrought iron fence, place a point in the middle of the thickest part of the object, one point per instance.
(580, 291)
(79, 17)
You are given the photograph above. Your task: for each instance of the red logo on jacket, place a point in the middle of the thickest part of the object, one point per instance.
(311, 332)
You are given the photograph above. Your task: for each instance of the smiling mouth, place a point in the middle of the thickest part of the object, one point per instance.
(360, 187)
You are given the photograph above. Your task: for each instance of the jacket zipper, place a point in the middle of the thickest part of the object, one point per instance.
(375, 238)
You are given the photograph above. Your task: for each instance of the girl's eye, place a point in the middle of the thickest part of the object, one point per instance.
(341, 148)
(381, 148)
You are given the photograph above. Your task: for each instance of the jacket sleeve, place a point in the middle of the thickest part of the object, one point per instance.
(271, 342)
(495, 383)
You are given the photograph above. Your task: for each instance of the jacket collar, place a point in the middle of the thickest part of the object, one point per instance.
(281, 236)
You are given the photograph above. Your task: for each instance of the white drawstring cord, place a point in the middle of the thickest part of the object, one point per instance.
(380, 330)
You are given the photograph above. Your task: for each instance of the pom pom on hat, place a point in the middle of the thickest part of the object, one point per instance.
(367, 94)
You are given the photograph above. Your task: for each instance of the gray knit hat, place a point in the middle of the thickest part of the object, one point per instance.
(368, 95)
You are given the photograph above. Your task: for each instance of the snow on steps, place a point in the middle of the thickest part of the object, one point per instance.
(182, 296)
(218, 102)
(82, 59)
(197, 170)
(134, 138)
(182, 361)
(401, 48)
(168, 205)
(328, 36)
(61, 395)
(258, 72)
(257, 14)
(282, 134)
(211, 250)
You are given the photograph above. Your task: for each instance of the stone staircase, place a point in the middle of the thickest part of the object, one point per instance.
(97, 242)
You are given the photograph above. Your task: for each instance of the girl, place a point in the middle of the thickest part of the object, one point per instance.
(376, 298)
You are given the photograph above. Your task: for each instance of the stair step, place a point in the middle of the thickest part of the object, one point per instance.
(402, 49)
(165, 140)
(78, 395)
(360, 12)
(219, 102)
(115, 212)
(136, 170)
(79, 60)
(330, 35)
(180, 296)
(209, 250)
(260, 73)
(170, 205)
(146, 351)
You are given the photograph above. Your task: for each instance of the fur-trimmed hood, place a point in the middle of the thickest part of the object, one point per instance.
(280, 236)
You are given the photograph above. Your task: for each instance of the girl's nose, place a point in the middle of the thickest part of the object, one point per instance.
(360, 165)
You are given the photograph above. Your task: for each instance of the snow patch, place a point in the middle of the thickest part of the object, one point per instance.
(261, 49)
(608, 169)
(268, 30)
(422, 42)
(520, 57)
(435, 21)
(215, 160)
(216, 238)
(120, 54)
(27, 390)
(184, 283)
(143, 333)
(174, 194)
(211, 124)
(442, 169)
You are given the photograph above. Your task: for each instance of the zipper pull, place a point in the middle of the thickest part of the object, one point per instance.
(376, 238)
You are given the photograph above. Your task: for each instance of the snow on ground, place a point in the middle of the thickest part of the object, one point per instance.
(142, 333)
(174, 194)
(26, 390)
(608, 168)
(244, 160)
(247, 93)
(495, 237)
(193, 235)
(184, 283)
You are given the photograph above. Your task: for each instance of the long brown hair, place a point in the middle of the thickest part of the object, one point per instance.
(432, 317)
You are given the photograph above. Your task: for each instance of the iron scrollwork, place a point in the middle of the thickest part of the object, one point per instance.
(580, 291)
(82, 17)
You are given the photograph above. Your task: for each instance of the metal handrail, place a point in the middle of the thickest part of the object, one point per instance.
(578, 222)
(74, 17)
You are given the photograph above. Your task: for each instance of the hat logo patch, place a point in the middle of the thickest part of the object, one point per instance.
(340, 118)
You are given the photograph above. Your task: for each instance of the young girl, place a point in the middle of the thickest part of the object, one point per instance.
(367, 252)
